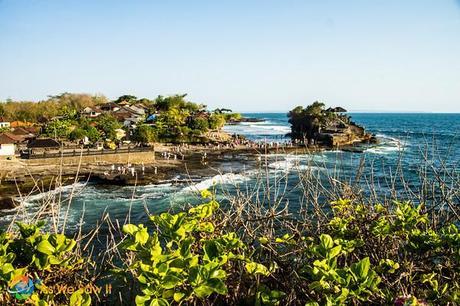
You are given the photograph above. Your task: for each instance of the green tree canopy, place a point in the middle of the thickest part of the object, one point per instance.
(305, 122)
(216, 121)
(126, 98)
(144, 133)
(77, 134)
(93, 134)
(58, 128)
(2, 111)
(108, 124)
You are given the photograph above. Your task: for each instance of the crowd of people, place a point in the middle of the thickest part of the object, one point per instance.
(178, 152)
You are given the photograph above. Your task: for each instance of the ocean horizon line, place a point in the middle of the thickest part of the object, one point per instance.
(358, 112)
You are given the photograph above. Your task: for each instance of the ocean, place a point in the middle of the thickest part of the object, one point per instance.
(409, 144)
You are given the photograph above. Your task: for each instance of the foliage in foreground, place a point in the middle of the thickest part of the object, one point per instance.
(356, 255)
(185, 259)
(53, 270)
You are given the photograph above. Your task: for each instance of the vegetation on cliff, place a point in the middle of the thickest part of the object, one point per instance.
(315, 123)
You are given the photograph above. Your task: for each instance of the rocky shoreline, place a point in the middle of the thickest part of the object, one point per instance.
(27, 178)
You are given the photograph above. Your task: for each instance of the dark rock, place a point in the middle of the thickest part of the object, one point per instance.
(7, 203)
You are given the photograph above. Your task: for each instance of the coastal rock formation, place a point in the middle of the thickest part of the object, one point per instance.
(325, 127)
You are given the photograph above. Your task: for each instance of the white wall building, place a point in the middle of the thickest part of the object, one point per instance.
(7, 146)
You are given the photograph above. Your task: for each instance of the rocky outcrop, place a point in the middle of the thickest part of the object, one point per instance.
(348, 135)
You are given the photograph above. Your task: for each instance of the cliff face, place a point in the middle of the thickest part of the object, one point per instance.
(350, 134)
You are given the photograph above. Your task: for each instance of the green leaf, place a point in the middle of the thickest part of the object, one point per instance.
(140, 300)
(142, 236)
(206, 194)
(207, 227)
(159, 302)
(45, 247)
(211, 249)
(53, 260)
(185, 246)
(170, 281)
(219, 274)
(217, 286)
(255, 268)
(7, 268)
(343, 295)
(361, 268)
(202, 291)
(263, 240)
(130, 229)
(335, 251)
(326, 241)
(80, 298)
(178, 296)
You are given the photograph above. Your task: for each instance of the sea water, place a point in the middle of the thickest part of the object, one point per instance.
(406, 141)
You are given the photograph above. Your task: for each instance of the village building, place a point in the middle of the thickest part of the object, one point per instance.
(7, 146)
(4, 123)
(24, 133)
(132, 122)
(123, 103)
(141, 106)
(130, 116)
(109, 107)
(15, 138)
(43, 144)
(139, 111)
(90, 112)
(121, 115)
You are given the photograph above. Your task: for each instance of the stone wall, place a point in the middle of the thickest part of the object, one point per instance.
(121, 158)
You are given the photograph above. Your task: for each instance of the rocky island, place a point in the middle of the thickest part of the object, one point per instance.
(327, 128)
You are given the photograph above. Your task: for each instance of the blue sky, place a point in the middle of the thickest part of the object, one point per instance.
(265, 55)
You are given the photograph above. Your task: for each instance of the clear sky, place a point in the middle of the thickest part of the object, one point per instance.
(266, 55)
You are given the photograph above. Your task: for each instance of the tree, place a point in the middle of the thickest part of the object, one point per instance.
(144, 134)
(108, 124)
(2, 111)
(216, 121)
(93, 134)
(315, 109)
(222, 110)
(77, 134)
(58, 128)
(199, 123)
(306, 122)
(126, 98)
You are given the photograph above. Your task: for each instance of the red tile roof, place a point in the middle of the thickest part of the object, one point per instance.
(7, 139)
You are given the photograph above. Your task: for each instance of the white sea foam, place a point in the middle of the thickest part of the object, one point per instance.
(383, 150)
(227, 178)
(387, 145)
(279, 128)
(49, 195)
(293, 164)
(258, 128)
(256, 123)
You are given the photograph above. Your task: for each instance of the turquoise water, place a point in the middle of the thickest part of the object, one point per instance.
(404, 141)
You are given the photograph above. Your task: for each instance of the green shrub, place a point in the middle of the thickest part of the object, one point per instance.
(183, 258)
(357, 255)
(46, 260)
